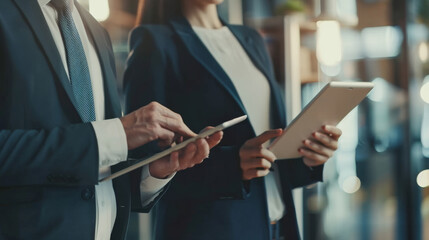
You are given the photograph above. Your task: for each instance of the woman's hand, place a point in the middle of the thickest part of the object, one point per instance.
(193, 154)
(255, 159)
(318, 149)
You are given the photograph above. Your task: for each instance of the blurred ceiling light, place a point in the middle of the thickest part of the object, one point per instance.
(347, 12)
(328, 37)
(423, 52)
(423, 178)
(381, 42)
(351, 44)
(330, 71)
(380, 90)
(99, 9)
(424, 90)
(344, 11)
(351, 184)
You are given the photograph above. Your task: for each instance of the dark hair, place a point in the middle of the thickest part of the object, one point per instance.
(157, 11)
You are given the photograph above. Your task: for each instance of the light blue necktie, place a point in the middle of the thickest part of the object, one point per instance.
(76, 60)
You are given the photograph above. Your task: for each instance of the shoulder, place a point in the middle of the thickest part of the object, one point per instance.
(150, 34)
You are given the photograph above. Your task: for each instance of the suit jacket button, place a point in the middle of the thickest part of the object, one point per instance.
(87, 193)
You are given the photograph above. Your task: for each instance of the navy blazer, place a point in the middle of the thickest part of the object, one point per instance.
(170, 64)
(48, 156)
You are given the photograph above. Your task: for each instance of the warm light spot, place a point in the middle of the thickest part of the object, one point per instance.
(329, 51)
(424, 90)
(351, 184)
(99, 9)
(423, 178)
(423, 52)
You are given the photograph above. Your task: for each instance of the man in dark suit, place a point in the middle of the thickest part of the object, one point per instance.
(57, 87)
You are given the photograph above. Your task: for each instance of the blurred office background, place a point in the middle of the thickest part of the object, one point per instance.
(376, 187)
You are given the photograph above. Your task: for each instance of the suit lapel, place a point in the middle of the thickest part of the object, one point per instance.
(36, 20)
(102, 48)
(199, 51)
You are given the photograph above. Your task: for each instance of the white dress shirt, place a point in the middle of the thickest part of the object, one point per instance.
(110, 134)
(254, 91)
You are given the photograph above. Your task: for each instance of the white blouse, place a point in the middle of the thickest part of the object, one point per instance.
(254, 91)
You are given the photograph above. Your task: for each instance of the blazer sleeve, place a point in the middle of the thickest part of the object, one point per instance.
(58, 156)
(148, 78)
(297, 174)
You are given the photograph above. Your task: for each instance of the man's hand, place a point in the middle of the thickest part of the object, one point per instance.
(255, 159)
(193, 154)
(321, 146)
(153, 122)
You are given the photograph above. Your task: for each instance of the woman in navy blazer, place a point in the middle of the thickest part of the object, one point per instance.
(224, 197)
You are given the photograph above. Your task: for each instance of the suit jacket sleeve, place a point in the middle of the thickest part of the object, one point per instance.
(298, 174)
(149, 77)
(58, 156)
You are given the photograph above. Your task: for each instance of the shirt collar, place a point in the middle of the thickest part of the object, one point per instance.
(43, 2)
(46, 2)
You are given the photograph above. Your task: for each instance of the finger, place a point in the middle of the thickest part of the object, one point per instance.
(176, 125)
(171, 120)
(326, 140)
(318, 148)
(214, 139)
(174, 160)
(267, 135)
(202, 151)
(254, 173)
(260, 163)
(187, 153)
(259, 152)
(165, 137)
(332, 131)
(178, 139)
(311, 158)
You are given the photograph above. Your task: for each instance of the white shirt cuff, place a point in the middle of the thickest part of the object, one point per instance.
(150, 187)
(112, 141)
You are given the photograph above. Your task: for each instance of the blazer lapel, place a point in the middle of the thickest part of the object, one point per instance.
(36, 20)
(199, 51)
(256, 54)
(102, 48)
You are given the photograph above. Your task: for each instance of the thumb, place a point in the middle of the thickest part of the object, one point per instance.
(267, 135)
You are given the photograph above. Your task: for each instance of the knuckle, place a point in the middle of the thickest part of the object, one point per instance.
(151, 117)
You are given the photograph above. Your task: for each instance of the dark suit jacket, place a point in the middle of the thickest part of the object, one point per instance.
(171, 65)
(48, 156)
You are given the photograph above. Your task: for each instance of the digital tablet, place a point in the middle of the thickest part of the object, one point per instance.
(177, 147)
(328, 107)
